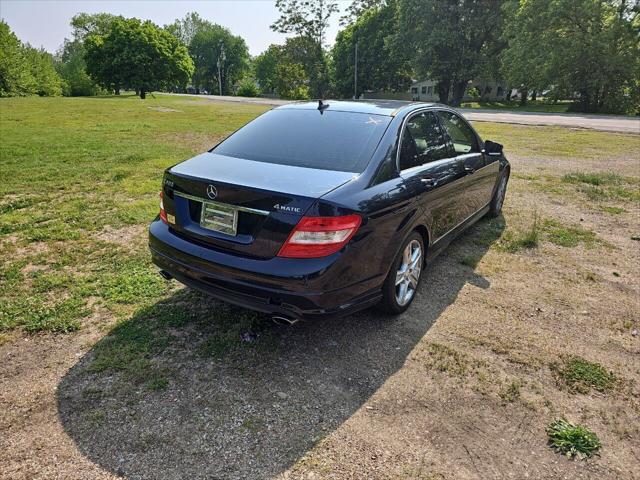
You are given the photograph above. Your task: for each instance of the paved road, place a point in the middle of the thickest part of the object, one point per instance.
(609, 123)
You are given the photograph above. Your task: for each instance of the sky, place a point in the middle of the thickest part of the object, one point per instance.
(45, 23)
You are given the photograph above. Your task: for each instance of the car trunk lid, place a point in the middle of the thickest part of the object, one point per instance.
(242, 206)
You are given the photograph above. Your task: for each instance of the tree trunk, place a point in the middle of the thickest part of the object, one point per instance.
(116, 90)
(458, 93)
(137, 91)
(143, 94)
(443, 87)
(534, 95)
(507, 95)
(523, 96)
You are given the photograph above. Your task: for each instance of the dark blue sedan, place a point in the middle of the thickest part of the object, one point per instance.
(321, 209)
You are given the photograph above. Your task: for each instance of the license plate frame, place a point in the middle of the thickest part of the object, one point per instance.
(219, 217)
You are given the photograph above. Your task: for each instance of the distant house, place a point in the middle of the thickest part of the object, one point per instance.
(425, 91)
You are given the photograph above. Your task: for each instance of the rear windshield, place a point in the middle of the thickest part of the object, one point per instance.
(342, 141)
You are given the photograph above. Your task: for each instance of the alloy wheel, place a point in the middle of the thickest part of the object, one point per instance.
(408, 273)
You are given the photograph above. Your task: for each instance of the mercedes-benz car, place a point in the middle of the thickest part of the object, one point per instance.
(320, 209)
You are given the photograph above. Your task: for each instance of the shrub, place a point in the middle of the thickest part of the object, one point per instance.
(248, 88)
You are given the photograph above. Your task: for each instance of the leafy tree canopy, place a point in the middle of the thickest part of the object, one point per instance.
(588, 48)
(25, 70)
(450, 42)
(84, 24)
(305, 18)
(357, 8)
(378, 67)
(206, 42)
(264, 66)
(137, 55)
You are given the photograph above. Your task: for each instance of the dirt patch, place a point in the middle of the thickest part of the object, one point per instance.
(194, 141)
(122, 236)
(164, 109)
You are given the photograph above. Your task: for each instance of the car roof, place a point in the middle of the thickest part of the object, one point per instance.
(370, 106)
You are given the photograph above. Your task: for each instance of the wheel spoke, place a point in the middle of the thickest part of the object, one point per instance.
(414, 277)
(415, 262)
(403, 292)
(406, 256)
(399, 277)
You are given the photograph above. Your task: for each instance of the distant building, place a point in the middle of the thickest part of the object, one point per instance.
(425, 91)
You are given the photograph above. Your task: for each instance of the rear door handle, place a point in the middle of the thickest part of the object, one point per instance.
(429, 182)
(469, 169)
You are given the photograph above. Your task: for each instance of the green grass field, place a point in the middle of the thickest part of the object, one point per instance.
(80, 181)
(542, 107)
(70, 169)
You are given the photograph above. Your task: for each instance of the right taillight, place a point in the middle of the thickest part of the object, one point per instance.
(163, 214)
(315, 237)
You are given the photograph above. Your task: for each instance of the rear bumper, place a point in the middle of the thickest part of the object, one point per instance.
(294, 288)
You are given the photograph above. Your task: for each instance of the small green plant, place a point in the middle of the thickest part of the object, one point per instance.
(612, 210)
(572, 440)
(514, 242)
(581, 375)
(512, 392)
(157, 383)
(593, 178)
(567, 236)
(470, 260)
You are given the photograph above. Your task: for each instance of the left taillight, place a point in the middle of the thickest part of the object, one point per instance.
(163, 214)
(315, 237)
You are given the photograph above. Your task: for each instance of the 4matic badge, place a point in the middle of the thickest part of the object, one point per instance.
(284, 208)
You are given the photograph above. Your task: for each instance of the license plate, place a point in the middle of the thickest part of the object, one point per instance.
(219, 218)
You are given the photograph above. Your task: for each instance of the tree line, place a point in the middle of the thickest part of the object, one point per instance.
(584, 50)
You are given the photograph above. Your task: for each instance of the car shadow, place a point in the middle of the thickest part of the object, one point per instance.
(174, 392)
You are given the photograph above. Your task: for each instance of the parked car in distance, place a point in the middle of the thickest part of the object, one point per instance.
(315, 210)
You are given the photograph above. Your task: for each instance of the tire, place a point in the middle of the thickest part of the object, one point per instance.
(393, 300)
(495, 207)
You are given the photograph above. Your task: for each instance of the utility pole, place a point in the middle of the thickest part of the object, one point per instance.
(355, 74)
(221, 58)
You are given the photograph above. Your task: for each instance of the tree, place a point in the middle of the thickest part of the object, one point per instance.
(186, 28)
(264, 66)
(307, 53)
(25, 70)
(71, 66)
(357, 8)
(305, 18)
(138, 55)
(85, 24)
(206, 42)
(206, 49)
(450, 42)
(291, 81)
(47, 81)
(16, 78)
(583, 48)
(378, 67)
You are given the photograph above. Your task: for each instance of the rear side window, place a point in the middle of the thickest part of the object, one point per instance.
(464, 140)
(423, 141)
(341, 141)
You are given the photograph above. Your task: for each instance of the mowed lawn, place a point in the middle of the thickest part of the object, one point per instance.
(73, 168)
(109, 370)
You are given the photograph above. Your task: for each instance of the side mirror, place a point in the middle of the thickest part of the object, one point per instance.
(492, 148)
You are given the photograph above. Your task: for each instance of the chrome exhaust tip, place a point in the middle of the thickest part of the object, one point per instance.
(280, 320)
(166, 275)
